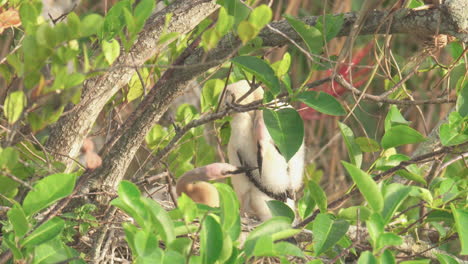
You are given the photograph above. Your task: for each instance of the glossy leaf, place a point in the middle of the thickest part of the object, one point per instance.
(310, 35)
(111, 50)
(394, 195)
(271, 226)
(387, 257)
(367, 258)
(461, 222)
(47, 191)
(211, 240)
(354, 152)
(366, 185)
(136, 86)
(260, 16)
(327, 232)
(462, 101)
(455, 131)
(210, 94)
(260, 69)
(401, 135)
(355, 212)
(445, 259)
(160, 220)
(246, 31)
(14, 105)
(229, 206)
(17, 218)
(394, 117)
(287, 249)
(318, 195)
(367, 144)
(278, 208)
(388, 239)
(322, 102)
(287, 130)
(47, 231)
(264, 247)
(330, 25)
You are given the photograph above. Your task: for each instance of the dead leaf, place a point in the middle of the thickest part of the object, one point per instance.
(9, 18)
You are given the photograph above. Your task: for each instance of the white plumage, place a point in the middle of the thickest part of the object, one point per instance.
(251, 145)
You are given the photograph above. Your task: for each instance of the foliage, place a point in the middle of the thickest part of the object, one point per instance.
(53, 62)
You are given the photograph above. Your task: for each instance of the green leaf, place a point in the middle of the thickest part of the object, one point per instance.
(229, 206)
(246, 31)
(278, 208)
(264, 247)
(352, 213)
(8, 158)
(445, 259)
(146, 245)
(260, 69)
(310, 35)
(367, 258)
(388, 239)
(401, 135)
(281, 67)
(330, 25)
(91, 24)
(225, 22)
(135, 86)
(318, 195)
(287, 249)
(160, 220)
(173, 257)
(14, 105)
(394, 117)
(322, 102)
(287, 130)
(28, 14)
(387, 257)
(17, 218)
(211, 240)
(327, 232)
(187, 207)
(366, 185)
(47, 231)
(394, 195)
(181, 245)
(55, 251)
(271, 226)
(354, 152)
(455, 131)
(210, 39)
(210, 94)
(367, 144)
(114, 20)
(47, 191)
(111, 50)
(462, 101)
(142, 12)
(375, 226)
(461, 222)
(260, 16)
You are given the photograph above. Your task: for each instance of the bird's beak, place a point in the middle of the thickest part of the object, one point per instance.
(240, 170)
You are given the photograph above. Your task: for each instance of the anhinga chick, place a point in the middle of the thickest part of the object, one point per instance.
(194, 183)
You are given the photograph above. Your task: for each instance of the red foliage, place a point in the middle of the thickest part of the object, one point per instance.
(335, 89)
